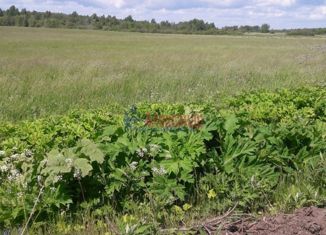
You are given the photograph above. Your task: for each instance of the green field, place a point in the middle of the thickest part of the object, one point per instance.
(47, 71)
(126, 133)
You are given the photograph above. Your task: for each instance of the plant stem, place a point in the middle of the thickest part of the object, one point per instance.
(82, 191)
(33, 210)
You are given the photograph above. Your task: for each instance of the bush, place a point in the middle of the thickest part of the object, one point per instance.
(115, 164)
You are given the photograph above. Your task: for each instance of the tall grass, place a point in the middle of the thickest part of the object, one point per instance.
(50, 71)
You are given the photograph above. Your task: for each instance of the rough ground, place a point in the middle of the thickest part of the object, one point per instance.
(305, 221)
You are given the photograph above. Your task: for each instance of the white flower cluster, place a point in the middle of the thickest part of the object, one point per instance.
(2, 153)
(69, 162)
(77, 174)
(22, 157)
(141, 152)
(133, 166)
(20, 195)
(14, 175)
(58, 178)
(28, 153)
(159, 171)
(4, 168)
(9, 166)
(154, 149)
(15, 157)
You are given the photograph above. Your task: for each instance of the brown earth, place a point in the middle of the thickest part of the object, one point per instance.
(306, 221)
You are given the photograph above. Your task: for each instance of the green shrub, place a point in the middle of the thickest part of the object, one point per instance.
(246, 154)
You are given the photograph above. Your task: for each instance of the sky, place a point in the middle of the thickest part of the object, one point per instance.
(278, 13)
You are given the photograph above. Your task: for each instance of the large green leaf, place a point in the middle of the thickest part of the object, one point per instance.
(231, 124)
(83, 165)
(91, 150)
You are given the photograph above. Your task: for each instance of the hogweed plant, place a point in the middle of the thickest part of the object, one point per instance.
(116, 174)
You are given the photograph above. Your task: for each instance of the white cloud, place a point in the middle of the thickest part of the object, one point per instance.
(318, 13)
(115, 3)
(284, 3)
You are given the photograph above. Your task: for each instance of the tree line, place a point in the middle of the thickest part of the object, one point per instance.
(24, 18)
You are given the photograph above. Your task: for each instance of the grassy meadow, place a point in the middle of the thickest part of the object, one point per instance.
(80, 165)
(51, 71)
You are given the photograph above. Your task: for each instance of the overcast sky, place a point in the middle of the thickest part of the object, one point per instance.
(278, 13)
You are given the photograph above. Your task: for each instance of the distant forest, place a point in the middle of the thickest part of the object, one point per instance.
(24, 18)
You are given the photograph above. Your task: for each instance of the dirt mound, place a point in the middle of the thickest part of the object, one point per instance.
(305, 221)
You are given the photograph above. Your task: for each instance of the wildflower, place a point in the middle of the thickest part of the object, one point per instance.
(10, 178)
(58, 178)
(15, 157)
(141, 152)
(159, 171)
(186, 207)
(162, 171)
(154, 149)
(69, 162)
(4, 168)
(211, 194)
(52, 189)
(28, 153)
(133, 165)
(155, 170)
(2, 153)
(14, 173)
(153, 146)
(20, 195)
(77, 174)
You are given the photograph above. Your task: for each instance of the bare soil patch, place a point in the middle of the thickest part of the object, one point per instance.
(305, 221)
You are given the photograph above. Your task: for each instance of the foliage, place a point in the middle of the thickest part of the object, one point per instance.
(14, 17)
(246, 154)
(23, 18)
(265, 28)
